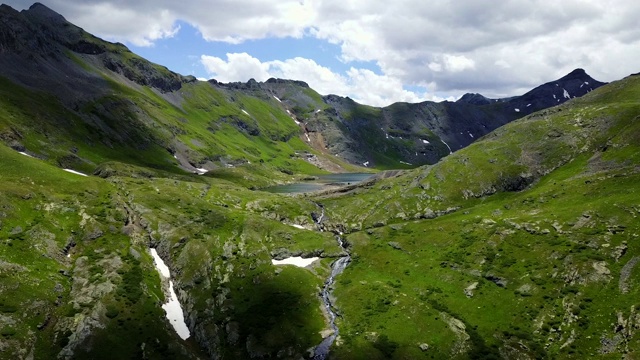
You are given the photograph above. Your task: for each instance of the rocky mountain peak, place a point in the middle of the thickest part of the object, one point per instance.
(40, 11)
(575, 74)
(475, 99)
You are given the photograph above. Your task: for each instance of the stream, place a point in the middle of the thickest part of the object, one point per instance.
(337, 267)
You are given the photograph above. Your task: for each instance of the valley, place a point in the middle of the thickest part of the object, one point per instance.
(136, 219)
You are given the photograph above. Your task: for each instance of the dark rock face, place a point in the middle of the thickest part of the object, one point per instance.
(42, 36)
(575, 84)
(475, 99)
(422, 133)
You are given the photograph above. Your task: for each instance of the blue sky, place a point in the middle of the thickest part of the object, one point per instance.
(376, 52)
(181, 53)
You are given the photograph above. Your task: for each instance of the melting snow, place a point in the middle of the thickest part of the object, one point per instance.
(295, 260)
(172, 307)
(75, 172)
(162, 268)
(244, 111)
(566, 94)
(175, 314)
(275, 97)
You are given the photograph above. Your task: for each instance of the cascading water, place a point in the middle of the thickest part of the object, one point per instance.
(321, 351)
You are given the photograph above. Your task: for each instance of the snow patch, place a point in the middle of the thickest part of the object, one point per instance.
(308, 138)
(245, 111)
(172, 307)
(425, 141)
(517, 110)
(295, 260)
(470, 134)
(24, 153)
(175, 314)
(528, 105)
(554, 96)
(566, 94)
(75, 172)
(406, 163)
(317, 111)
(201, 171)
(366, 163)
(162, 268)
(299, 226)
(275, 97)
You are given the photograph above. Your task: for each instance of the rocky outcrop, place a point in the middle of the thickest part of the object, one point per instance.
(625, 273)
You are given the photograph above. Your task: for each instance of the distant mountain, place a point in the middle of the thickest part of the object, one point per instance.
(418, 134)
(92, 80)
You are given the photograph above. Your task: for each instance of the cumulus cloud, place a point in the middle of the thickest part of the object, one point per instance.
(493, 47)
(363, 85)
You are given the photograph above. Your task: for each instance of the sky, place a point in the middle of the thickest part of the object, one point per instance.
(376, 52)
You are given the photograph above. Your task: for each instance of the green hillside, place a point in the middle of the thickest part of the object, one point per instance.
(522, 245)
(535, 258)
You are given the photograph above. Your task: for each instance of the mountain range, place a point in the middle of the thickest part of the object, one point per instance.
(507, 228)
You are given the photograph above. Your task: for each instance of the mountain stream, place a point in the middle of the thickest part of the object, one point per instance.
(321, 351)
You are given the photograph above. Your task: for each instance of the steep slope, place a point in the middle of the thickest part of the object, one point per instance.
(86, 90)
(522, 245)
(96, 101)
(405, 135)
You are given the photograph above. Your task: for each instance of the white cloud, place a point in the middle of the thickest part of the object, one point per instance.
(362, 85)
(501, 47)
(458, 63)
(236, 67)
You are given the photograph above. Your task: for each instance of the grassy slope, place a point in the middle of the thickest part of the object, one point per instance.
(547, 242)
(218, 238)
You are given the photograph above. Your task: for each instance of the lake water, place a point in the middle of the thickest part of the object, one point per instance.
(320, 183)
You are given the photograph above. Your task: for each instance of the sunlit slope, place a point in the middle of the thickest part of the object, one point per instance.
(536, 259)
(602, 126)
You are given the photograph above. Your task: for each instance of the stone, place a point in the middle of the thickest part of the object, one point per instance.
(468, 291)
(601, 268)
(496, 280)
